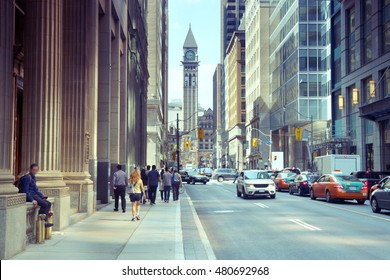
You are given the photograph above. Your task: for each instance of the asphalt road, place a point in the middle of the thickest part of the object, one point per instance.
(288, 227)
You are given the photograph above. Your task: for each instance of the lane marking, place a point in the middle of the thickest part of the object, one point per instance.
(261, 205)
(305, 225)
(223, 211)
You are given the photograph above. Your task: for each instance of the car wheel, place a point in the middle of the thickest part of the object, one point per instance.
(238, 192)
(244, 195)
(361, 201)
(312, 196)
(193, 181)
(375, 206)
(220, 179)
(328, 197)
(204, 182)
(272, 196)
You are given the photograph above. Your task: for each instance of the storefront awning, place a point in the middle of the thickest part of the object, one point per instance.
(377, 110)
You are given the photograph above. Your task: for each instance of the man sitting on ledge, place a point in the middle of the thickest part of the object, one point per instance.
(29, 187)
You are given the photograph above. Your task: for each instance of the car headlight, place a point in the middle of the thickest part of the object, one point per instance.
(249, 185)
(271, 184)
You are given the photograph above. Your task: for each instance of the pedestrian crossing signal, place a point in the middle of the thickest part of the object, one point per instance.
(255, 142)
(187, 144)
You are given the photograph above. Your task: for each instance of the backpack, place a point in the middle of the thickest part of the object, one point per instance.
(18, 182)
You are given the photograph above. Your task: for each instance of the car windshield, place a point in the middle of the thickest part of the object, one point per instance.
(301, 178)
(256, 175)
(344, 178)
(312, 178)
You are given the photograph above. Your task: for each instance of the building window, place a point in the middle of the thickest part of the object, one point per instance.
(351, 39)
(386, 83)
(367, 29)
(336, 54)
(366, 90)
(386, 25)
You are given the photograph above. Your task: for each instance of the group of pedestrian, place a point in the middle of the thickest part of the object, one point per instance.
(142, 187)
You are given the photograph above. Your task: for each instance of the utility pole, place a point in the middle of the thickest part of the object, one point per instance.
(177, 142)
(312, 142)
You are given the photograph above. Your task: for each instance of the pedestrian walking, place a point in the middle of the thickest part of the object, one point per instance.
(153, 180)
(161, 187)
(119, 183)
(177, 181)
(144, 178)
(137, 194)
(167, 184)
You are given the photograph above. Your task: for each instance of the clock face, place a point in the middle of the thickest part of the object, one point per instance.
(190, 55)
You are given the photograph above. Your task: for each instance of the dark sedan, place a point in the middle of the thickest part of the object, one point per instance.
(194, 177)
(380, 198)
(301, 184)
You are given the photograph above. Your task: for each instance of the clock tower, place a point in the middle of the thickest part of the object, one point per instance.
(190, 83)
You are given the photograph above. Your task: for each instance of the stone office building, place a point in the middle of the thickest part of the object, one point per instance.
(73, 91)
(361, 80)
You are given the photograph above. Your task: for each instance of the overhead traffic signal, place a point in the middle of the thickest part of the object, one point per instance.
(201, 133)
(255, 142)
(187, 144)
(298, 134)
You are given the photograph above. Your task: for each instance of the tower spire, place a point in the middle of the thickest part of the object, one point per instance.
(190, 41)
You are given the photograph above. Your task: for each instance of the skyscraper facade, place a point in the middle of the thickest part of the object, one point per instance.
(361, 81)
(157, 88)
(299, 74)
(232, 12)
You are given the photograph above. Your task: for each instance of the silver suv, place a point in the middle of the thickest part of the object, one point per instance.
(222, 174)
(255, 183)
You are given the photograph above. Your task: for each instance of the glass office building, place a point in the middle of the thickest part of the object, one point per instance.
(299, 71)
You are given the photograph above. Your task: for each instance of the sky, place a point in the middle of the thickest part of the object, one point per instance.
(204, 17)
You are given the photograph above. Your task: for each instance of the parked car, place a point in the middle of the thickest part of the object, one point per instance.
(283, 179)
(381, 183)
(369, 178)
(222, 174)
(255, 183)
(340, 187)
(380, 198)
(194, 177)
(184, 175)
(207, 172)
(301, 184)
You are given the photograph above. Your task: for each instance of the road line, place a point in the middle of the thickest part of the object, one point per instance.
(305, 225)
(261, 205)
(223, 211)
(357, 212)
(202, 232)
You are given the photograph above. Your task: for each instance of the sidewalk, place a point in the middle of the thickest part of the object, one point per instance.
(109, 235)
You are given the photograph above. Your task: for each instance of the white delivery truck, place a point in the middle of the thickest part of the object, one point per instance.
(277, 161)
(343, 163)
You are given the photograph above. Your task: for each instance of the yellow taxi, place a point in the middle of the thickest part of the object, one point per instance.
(337, 186)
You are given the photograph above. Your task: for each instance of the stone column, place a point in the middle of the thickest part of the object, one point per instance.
(12, 204)
(104, 99)
(42, 99)
(115, 97)
(79, 34)
(123, 106)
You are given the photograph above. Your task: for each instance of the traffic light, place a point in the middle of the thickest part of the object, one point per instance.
(174, 156)
(275, 157)
(255, 142)
(298, 134)
(201, 134)
(187, 144)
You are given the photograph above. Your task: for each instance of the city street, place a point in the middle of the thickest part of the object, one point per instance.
(288, 227)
